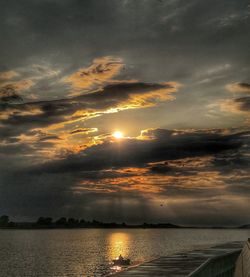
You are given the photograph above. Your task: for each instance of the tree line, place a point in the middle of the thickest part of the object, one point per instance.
(63, 222)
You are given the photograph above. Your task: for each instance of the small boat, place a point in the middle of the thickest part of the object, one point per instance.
(121, 261)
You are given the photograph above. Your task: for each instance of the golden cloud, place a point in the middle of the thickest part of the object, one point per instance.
(23, 84)
(231, 106)
(134, 100)
(238, 87)
(6, 75)
(102, 70)
(10, 91)
(186, 163)
(150, 98)
(155, 185)
(139, 183)
(14, 111)
(239, 106)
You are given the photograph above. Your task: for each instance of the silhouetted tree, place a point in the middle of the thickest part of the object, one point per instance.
(95, 222)
(4, 220)
(62, 221)
(73, 221)
(44, 221)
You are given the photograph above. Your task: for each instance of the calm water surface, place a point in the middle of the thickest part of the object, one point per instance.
(88, 252)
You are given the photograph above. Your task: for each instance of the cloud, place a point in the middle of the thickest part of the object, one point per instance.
(43, 78)
(9, 92)
(168, 170)
(160, 145)
(239, 106)
(101, 71)
(6, 75)
(83, 131)
(110, 99)
(239, 88)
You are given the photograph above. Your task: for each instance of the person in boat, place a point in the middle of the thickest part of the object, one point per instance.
(120, 258)
(121, 261)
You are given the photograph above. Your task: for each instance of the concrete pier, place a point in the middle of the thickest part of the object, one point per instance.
(243, 262)
(182, 264)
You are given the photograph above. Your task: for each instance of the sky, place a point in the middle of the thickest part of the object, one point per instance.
(172, 76)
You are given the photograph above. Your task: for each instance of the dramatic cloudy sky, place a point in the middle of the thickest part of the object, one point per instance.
(172, 75)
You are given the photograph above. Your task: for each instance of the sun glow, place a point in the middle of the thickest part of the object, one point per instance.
(118, 135)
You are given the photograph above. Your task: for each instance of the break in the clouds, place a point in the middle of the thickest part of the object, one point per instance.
(171, 76)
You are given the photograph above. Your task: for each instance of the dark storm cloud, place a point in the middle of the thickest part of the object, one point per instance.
(13, 148)
(162, 145)
(196, 163)
(123, 95)
(62, 28)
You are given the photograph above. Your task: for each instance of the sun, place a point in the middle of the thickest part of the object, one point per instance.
(118, 135)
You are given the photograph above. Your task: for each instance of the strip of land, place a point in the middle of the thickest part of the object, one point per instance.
(63, 222)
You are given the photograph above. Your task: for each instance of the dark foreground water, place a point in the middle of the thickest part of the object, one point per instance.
(88, 252)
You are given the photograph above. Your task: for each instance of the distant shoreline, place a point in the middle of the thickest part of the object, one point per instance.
(72, 223)
(115, 227)
(92, 226)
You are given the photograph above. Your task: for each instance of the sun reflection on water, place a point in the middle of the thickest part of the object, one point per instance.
(119, 244)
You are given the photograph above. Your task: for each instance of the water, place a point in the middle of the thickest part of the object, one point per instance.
(88, 252)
